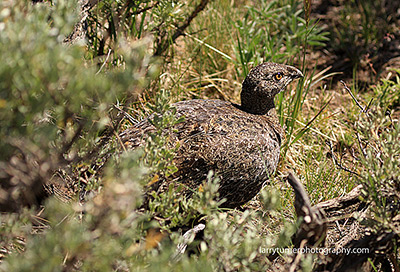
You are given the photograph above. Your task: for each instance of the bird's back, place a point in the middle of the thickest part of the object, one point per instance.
(241, 148)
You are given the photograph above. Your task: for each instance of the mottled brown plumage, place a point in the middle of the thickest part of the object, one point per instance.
(240, 143)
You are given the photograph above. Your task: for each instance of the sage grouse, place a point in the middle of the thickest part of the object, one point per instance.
(240, 143)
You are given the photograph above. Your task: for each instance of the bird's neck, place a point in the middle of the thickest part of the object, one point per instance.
(257, 104)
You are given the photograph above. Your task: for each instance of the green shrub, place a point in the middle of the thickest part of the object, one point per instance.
(380, 144)
(53, 103)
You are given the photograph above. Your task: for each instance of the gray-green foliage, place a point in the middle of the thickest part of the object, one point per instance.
(47, 91)
(108, 233)
(105, 236)
(175, 210)
(52, 105)
(380, 176)
(159, 153)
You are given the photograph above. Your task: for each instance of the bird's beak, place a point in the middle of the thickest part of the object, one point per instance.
(294, 72)
(300, 75)
(297, 74)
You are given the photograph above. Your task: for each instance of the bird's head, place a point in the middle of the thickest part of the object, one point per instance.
(263, 83)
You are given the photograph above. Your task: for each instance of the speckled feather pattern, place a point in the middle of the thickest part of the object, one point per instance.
(241, 144)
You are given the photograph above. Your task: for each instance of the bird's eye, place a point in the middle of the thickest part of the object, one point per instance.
(278, 76)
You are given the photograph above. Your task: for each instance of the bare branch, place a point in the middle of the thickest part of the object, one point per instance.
(336, 162)
(354, 98)
(313, 227)
(163, 45)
